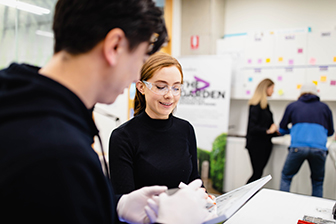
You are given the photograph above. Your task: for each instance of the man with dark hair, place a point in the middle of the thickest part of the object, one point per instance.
(312, 123)
(48, 171)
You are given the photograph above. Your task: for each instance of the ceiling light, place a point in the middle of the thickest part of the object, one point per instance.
(44, 33)
(25, 7)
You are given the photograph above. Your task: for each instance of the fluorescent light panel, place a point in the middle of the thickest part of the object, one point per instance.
(44, 33)
(25, 7)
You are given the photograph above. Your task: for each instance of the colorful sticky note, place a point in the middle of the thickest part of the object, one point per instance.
(259, 61)
(334, 59)
(333, 82)
(279, 78)
(315, 82)
(248, 92)
(268, 60)
(280, 58)
(250, 79)
(280, 92)
(291, 61)
(300, 50)
(323, 78)
(312, 61)
(249, 61)
(298, 86)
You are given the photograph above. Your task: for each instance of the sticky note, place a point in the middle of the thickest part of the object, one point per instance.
(280, 58)
(312, 61)
(333, 82)
(279, 78)
(315, 82)
(298, 86)
(248, 92)
(291, 61)
(268, 60)
(334, 59)
(249, 61)
(280, 92)
(323, 78)
(300, 50)
(259, 61)
(250, 79)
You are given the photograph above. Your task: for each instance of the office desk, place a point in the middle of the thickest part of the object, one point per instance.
(272, 206)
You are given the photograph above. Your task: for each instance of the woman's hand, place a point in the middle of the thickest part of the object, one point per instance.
(272, 129)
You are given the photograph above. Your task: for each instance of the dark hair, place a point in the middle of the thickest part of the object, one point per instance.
(79, 25)
(153, 64)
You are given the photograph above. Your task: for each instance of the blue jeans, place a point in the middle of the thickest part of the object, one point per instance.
(296, 156)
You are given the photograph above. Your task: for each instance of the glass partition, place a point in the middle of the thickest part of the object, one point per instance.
(26, 31)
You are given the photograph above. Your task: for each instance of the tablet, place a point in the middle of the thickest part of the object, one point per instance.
(229, 203)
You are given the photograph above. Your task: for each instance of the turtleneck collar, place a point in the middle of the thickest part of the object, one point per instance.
(157, 124)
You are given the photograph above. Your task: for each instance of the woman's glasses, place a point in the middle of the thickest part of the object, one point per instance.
(162, 89)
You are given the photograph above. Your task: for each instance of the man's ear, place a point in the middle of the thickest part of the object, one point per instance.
(115, 43)
(141, 87)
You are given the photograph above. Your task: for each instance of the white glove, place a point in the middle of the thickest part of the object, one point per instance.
(185, 206)
(131, 207)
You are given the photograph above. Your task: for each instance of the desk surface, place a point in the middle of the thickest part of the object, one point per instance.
(272, 206)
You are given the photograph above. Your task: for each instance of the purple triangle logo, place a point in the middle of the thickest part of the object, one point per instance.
(206, 84)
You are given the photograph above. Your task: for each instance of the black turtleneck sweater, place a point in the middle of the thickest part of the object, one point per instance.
(146, 152)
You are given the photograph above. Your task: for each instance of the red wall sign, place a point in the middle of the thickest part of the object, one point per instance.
(194, 42)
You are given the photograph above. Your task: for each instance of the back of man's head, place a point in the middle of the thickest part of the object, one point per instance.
(79, 25)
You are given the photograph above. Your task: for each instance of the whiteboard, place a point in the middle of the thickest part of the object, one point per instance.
(290, 49)
(321, 48)
(290, 59)
(259, 50)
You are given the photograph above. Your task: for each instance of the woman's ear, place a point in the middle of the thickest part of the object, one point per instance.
(141, 87)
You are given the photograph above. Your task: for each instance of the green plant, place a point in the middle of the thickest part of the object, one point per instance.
(217, 162)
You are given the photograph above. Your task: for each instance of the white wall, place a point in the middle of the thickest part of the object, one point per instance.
(204, 18)
(105, 119)
(247, 15)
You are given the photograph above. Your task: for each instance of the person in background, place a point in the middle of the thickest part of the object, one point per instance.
(49, 172)
(260, 128)
(311, 123)
(154, 147)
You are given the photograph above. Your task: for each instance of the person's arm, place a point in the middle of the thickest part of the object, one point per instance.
(330, 124)
(121, 162)
(193, 152)
(286, 119)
